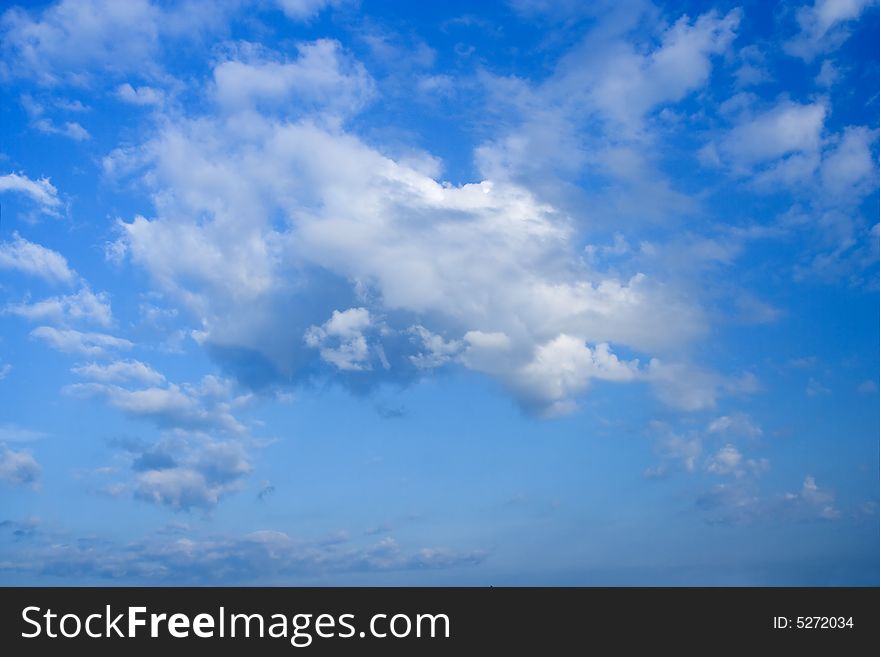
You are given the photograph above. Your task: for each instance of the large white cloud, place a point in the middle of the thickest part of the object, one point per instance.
(483, 257)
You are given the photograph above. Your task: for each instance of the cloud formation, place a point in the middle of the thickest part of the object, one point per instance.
(41, 191)
(18, 467)
(36, 260)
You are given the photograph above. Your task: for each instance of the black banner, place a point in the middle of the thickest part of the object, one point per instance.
(433, 621)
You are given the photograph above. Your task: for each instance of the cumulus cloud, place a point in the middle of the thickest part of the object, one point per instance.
(73, 341)
(36, 260)
(202, 454)
(187, 472)
(40, 191)
(466, 261)
(18, 467)
(563, 367)
(341, 339)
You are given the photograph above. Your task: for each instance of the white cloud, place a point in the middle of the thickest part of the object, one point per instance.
(183, 469)
(69, 129)
(788, 130)
(169, 406)
(205, 475)
(828, 74)
(84, 305)
(435, 350)
(263, 212)
(41, 191)
(849, 172)
(119, 371)
(593, 115)
(631, 84)
(728, 460)
(824, 26)
(35, 260)
(144, 95)
(73, 35)
(72, 41)
(72, 341)
(346, 330)
(322, 77)
(18, 468)
(725, 461)
(5, 369)
(563, 367)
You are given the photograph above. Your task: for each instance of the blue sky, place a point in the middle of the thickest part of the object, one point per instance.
(528, 292)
